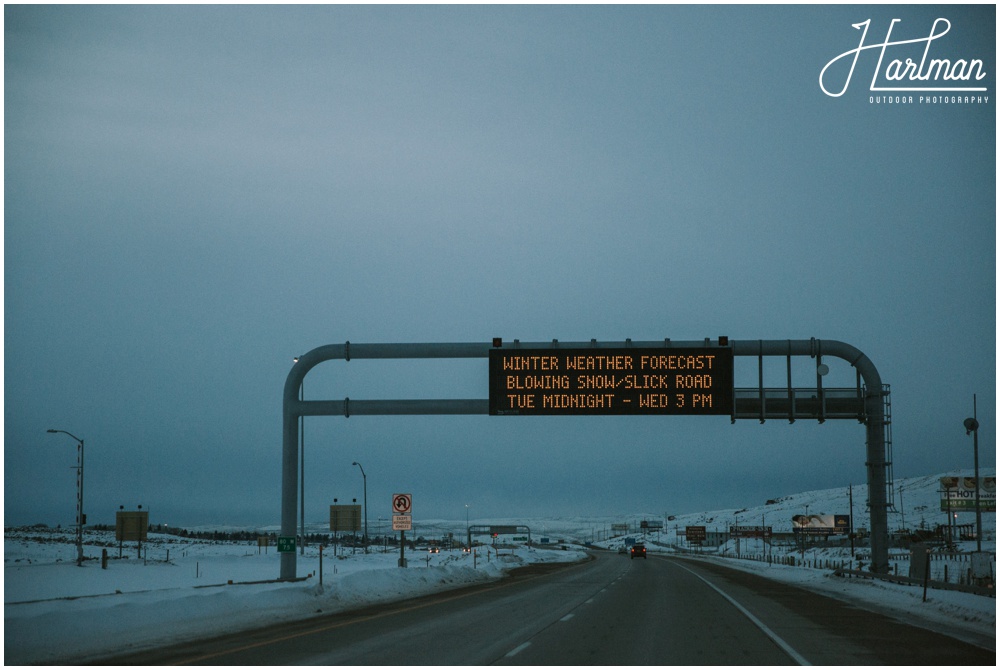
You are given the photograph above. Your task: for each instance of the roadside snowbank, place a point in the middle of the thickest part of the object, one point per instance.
(57, 612)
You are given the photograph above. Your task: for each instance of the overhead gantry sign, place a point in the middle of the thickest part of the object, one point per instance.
(595, 378)
(611, 381)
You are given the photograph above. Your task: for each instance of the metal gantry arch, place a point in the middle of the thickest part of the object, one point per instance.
(866, 404)
(507, 529)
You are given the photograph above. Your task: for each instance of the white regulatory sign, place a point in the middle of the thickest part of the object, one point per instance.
(402, 522)
(402, 503)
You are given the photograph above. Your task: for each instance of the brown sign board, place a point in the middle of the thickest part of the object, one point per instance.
(695, 533)
(131, 526)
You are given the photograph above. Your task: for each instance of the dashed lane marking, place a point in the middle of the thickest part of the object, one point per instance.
(518, 649)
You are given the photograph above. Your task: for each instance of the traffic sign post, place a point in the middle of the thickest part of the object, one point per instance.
(402, 507)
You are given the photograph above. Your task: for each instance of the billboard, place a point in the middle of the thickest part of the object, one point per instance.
(821, 524)
(958, 494)
(750, 531)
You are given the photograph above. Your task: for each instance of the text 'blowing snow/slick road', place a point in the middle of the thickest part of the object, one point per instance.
(608, 611)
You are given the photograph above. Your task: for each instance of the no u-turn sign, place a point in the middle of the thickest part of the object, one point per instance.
(402, 506)
(402, 503)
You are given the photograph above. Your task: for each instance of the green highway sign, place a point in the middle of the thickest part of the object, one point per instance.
(286, 545)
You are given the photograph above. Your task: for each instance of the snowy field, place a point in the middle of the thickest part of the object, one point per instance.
(58, 612)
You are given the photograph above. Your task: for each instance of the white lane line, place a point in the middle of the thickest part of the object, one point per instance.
(567, 617)
(796, 656)
(518, 649)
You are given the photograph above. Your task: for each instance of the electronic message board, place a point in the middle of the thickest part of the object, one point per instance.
(345, 518)
(131, 526)
(598, 381)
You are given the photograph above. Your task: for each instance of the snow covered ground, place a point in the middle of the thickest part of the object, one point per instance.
(57, 612)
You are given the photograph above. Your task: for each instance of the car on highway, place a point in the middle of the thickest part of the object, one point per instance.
(638, 551)
(434, 550)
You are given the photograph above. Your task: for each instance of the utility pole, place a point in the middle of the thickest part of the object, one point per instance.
(81, 518)
(902, 509)
(364, 480)
(850, 497)
(972, 426)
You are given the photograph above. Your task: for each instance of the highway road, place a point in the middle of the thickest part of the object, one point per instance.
(612, 610)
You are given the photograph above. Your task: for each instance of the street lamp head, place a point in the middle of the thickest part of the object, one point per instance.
(53, 430)
(970, 425)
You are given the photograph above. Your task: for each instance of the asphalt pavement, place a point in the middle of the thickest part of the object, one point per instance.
(612, 610)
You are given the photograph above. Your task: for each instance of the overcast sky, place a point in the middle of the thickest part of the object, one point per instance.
(195, 195)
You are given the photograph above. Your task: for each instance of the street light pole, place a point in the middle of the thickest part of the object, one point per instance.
(81, 518)
(365, 481)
